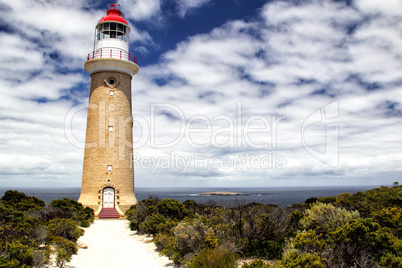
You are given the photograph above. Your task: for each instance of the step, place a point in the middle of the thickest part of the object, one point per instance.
(109, 213)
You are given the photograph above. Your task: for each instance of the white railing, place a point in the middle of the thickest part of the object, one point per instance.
(111, 54)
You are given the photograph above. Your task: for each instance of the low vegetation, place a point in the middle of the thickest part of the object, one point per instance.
(350, 230)
(30, 231)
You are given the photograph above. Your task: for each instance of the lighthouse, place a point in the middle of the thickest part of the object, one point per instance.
(108, 174)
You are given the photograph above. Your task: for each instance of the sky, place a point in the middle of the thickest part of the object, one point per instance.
(230, 93)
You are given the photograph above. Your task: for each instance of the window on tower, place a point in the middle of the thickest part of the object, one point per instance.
(112, 30)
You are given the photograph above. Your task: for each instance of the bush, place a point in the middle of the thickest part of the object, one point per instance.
(256, 264)
(317, 234)
(263, 249)
(309, 241)
(363, 239)
(85, 223)
(391, 261)
(391, 218)
(328, 199)
(6, 263)
(133, 225)
(141, 212)
(21, 201)
(324, 217)
(25, 224)
(152, 224)
(213, 258)
(294, 223)
(193, 236)
(372, 200)
(65, 228)
(185, 239)
(303, 260)
(163, 241)
(311, 200)
(21, 253)
(171, 208)
(71, 209)
(64, 249)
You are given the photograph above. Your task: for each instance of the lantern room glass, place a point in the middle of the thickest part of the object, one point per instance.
(112, 30)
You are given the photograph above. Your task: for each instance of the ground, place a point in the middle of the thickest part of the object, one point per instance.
(111, 244)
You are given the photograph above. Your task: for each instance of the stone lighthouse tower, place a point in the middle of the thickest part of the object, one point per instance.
(108, 175)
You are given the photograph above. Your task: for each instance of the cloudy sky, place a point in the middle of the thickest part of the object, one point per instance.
(229, 93)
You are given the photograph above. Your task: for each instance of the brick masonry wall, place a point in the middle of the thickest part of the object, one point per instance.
(104, 148)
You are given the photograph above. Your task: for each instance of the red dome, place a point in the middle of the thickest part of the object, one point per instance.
(113, 14)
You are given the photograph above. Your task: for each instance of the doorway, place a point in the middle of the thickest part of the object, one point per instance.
(108, 197)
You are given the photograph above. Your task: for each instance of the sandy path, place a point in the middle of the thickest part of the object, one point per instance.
(112, 244)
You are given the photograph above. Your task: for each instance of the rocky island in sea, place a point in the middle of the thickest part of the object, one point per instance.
(222, 193)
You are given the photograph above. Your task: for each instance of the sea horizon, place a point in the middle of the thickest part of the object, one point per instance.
(282, 196)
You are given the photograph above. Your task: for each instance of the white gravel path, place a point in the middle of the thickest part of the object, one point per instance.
(112, 244)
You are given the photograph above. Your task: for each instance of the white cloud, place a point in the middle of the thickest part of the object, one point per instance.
(390, 8)
(140, 9)
(188, 5)
(283, 66)
(304, 57)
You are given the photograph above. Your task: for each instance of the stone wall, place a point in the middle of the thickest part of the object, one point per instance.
(109, 141)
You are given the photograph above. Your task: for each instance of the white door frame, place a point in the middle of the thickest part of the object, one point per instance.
(108, 197)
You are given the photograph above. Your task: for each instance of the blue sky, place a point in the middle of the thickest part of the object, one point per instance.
(229, 93)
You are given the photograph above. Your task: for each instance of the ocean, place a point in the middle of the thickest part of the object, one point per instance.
(281, 196)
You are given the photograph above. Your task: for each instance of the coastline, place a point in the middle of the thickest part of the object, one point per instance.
(222, 194)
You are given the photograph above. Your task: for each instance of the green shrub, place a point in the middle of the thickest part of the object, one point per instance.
(324, 217)
(131, 211)
(311, 200)
(303, 260)
(391, 218)
(153, 224)
(262, 249)
(71, 209)
(65, 228)
(294, 223)
(328, 199)
(133, 225)
(163, 241)
(256, 264)
(391, 261)
(21, 201)
(171, 208)
(372, 200)
(213, 258)
(20, 252)
(6, 263)
(85, 223)
(363, 237)
(141, 212)
(186, 238)
(191, 237)
(309, 241)
(64, 249)
(332, 237)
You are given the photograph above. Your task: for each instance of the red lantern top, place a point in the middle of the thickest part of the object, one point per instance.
(113, 14)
